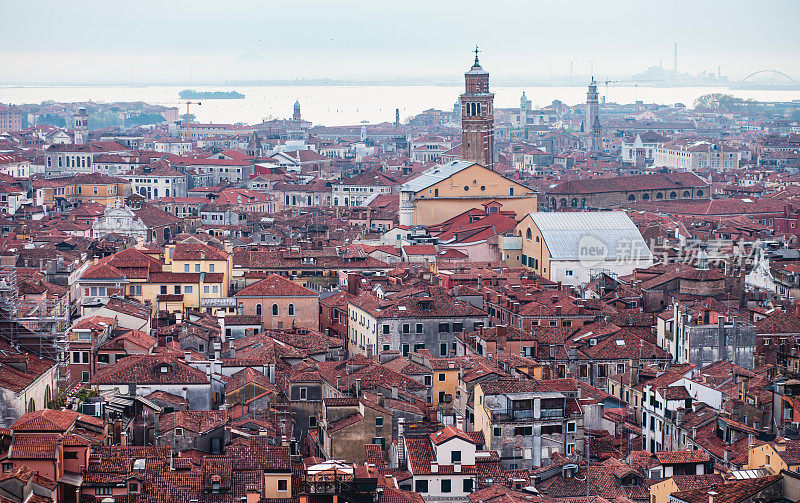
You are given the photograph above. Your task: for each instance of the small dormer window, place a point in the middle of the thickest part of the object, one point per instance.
(163, 368)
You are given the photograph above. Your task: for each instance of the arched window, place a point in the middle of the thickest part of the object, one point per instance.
(673, 195)
(699, 193)
(660, 195)
(258, 309)
(528, 235)
(291, 309)
(143, 191)
(574, 202)
(294, 200)
(155, 192)
(48, 396)
(686, 193)
(31, 406)
(645, 197)
(274, 309)
(631, 198)
(563, 202)
(167, 194)
(336, 201)
(166, 234)
(309, 200)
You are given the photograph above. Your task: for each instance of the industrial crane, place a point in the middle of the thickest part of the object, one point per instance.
(186, 122)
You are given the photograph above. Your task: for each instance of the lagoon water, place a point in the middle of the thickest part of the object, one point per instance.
(342, 105)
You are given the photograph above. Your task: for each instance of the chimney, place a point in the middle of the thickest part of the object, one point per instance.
(381, 402)
(694, 432)
(221, 323)
(434, 467)
(232, 349)
(394, 392)
(217, 351)
(187, 356)
(711, 496)
(178, 317)
(480, 282)
(727, 455)
(502, 338)
(358, 387)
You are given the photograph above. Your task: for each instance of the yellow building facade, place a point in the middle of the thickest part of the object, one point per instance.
(453, 188)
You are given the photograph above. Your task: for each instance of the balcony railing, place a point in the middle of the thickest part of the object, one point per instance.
(552, 413)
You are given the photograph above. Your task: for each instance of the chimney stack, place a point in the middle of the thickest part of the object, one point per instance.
(711, 496)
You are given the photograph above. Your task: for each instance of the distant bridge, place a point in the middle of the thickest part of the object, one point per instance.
(775, 72)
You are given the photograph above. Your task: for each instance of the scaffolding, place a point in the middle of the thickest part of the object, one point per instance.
(37, 324)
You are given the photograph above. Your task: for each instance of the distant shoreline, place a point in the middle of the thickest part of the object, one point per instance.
(733, 86)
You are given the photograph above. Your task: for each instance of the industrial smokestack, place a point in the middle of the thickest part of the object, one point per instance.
(675, 60)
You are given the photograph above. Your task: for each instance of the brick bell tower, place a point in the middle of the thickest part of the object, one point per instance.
(477, 119)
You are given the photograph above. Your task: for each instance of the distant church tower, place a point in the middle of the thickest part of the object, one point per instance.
(593, 118)
(477, 120)
(80, 126)
(296, 114)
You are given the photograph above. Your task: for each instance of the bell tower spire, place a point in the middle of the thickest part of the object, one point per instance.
(477, 117)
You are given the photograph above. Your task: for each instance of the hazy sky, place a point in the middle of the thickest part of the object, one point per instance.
(202, 41)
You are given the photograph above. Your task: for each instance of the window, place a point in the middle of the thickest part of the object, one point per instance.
(103, 491)
(458, 327)
(467, 485)
(443, 349)
(446, 485)
(428, 380)
(177, 289)
(379, 421)
(553, 429)
(291, 309)
(444, 327)
(303, 393)
(283, 485)
(418, 328)
(214, 288)
(178, 432)
(85, 376)
(441, 377)
(133, 487)
(406, 328)
(274, 309)
(197, 268)
(185, 267)
(571, 427)
(210, 267)
(455, 457)
(496, 431)
(525, 431)
(386, 330)
(70, 454)
(7, 467)
(312, 421)
(421, 486)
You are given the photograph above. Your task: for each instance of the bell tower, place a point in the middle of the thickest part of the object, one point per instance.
(477, 119)
(593, 118)
(80, 126)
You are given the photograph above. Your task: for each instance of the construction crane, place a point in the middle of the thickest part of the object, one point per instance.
(186, 122)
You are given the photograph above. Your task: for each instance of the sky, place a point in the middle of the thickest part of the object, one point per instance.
(210, 42)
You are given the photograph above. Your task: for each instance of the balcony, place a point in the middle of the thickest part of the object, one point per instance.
(552, 413)
(522, 414)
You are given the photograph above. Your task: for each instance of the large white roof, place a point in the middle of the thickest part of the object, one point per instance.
(566, 233)
(435, 175)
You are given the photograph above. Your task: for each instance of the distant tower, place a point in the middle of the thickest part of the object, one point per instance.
(80, 126)
(524, 102)
(363, 133)
(397, 118)
(477, 120)
(593, 118)
(296, 114)
(675, 60)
